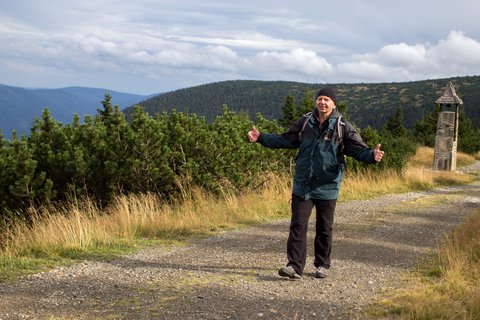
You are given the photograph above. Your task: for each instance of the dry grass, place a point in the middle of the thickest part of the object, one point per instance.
(424, 158)
(417, 176)
(370, 184)
(448, 286)
(477, 155)
(86, 227)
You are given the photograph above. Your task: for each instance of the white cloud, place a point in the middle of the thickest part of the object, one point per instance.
(254, 41)
(456, 55)
(297, 63)
(402, 54)
(456, 52)
(362, 70)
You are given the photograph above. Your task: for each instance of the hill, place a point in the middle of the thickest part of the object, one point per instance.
(20, 106)
(368, 103)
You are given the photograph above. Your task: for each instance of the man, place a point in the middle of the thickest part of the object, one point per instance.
(323, 137)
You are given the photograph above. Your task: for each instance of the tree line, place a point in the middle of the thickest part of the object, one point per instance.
(105, 155)
(369, 103)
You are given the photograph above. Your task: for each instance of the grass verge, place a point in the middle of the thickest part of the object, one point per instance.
(446, 286)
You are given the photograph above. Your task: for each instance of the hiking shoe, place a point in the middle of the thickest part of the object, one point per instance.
(321, 272)
(289, 272)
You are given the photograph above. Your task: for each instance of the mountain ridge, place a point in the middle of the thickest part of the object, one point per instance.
(20, 106)
(369, 104)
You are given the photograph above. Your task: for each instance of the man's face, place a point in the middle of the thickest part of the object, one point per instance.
(325, 105)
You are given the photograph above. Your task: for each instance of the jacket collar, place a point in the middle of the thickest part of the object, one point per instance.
(334, 115)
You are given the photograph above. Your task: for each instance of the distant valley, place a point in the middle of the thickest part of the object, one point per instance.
(20, 106)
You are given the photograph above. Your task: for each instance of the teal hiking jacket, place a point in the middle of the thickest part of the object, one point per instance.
(319, 162)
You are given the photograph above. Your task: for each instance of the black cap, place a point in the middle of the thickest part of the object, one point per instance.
(329, 92)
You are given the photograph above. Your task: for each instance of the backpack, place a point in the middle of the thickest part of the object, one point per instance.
(340, 131)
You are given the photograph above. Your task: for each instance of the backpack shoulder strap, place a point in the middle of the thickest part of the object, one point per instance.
(341, 133)
(307, 117)
(340, 129)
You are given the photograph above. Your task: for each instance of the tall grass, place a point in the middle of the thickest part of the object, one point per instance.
(446, 287)
(424, 158)
(417, 176)
(75, 231)
(78, 230)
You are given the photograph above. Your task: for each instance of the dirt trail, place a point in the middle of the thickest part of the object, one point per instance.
(234, 275)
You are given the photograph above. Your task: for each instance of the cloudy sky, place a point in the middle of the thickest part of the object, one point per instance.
(148, 46)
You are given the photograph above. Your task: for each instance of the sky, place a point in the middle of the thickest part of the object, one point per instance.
(148, 46)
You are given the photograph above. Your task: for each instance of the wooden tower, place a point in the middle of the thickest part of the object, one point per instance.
(445, 157)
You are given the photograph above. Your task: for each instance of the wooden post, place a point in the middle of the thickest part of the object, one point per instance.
(446, 138)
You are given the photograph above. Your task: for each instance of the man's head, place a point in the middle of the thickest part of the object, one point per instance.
(327, 92)
(325, 101)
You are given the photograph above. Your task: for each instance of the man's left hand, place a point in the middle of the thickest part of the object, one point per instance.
(377, 153)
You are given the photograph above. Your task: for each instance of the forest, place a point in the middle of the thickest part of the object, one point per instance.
(369, 103)
(105, 155)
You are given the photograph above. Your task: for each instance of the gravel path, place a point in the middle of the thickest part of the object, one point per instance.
(234, 275)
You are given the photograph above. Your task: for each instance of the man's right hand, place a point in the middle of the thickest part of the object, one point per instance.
(253, 134)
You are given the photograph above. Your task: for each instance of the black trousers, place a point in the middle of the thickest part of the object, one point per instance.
(297, 238)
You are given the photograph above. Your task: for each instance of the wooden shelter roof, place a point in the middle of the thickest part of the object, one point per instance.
(449, 96)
